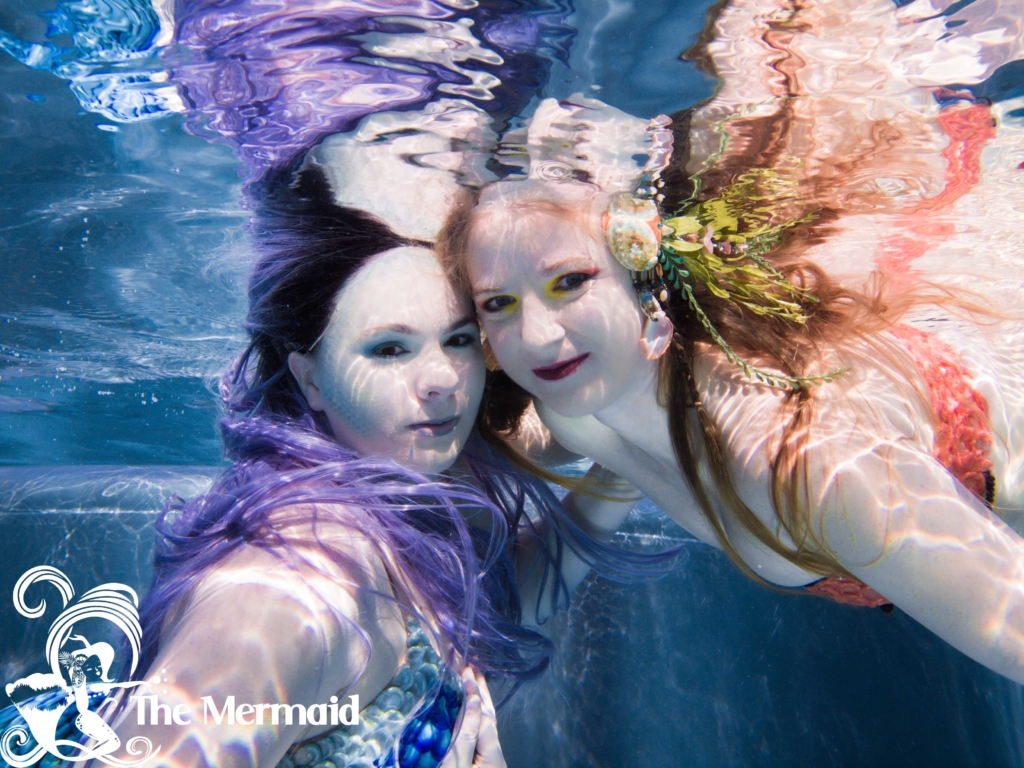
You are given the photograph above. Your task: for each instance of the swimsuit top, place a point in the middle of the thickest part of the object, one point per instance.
(385, 736)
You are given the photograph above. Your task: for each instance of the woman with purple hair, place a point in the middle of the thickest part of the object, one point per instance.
(340, 594)
(364, 545)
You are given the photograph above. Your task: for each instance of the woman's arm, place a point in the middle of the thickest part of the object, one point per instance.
(878, 501)
(257, 632)
(260, 631)
(598, 518)
(896, 519)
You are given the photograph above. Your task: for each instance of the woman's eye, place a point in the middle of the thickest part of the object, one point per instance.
(499, 304)
(571, 281)
(388, 350)
(461, 340)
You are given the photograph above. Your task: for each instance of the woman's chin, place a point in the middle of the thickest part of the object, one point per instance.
(432, 460)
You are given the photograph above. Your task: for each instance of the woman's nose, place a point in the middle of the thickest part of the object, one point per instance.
(439, 377)
(540, 325)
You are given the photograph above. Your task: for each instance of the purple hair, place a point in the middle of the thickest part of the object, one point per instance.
(273, 78)
(283, 454)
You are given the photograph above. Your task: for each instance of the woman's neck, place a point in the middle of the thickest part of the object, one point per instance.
(638, 418)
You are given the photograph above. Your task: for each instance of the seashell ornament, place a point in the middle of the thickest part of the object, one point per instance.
(657, 337)
(657, 333)
(633, 228)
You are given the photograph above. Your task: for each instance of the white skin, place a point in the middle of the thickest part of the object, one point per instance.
(548, 291)
(388, 383)
(299, 628)
(399, 371)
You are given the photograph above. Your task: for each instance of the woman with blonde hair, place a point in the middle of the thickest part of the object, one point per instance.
(847, 428)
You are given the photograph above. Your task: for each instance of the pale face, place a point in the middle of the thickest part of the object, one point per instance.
(561, 315)
(399, 371)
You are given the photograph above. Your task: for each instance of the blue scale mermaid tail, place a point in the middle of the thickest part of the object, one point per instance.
(426, 739)
(424, 685)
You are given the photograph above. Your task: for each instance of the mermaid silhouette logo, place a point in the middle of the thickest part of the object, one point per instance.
(78, 675)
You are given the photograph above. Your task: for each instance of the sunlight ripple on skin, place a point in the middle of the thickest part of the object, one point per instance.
(392, 383)
(608, 333)
(898, 167)
(879, 501)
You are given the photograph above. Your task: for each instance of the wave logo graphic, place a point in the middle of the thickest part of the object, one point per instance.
(77, 673)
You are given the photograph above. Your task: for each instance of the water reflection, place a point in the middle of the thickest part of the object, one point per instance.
(901, 127)
(149, 244)
(112, 63)
(273, 79)
(408, 167)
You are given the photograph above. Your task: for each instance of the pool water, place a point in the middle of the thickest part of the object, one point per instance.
(124, 188)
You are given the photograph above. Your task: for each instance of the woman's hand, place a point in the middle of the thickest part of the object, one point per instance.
(477, 744)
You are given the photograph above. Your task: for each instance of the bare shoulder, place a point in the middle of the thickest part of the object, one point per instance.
(280, 603)
(880, 398)
(845, 445)
(316, 594)
(321, 553)
(275, 624)
(746, 412)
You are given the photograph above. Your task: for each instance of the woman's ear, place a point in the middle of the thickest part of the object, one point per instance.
(302, 365)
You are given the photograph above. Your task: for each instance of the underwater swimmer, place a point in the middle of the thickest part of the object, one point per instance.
(362, 544)
(316, 593)
(870, 489)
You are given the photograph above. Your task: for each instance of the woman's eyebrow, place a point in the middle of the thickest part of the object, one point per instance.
(407, 331)
(558, 266)
(486, 289)
(393, 328)
(465, 320)
(574, 261)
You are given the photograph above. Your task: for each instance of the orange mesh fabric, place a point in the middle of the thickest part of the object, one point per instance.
(962, 435)
(848, 592)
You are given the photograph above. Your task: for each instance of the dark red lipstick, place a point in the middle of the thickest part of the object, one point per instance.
(560, 370)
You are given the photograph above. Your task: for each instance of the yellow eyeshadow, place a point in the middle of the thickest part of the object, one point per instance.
(549, 289)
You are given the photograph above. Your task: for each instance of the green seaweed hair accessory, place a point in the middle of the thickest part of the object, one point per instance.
(704, 243)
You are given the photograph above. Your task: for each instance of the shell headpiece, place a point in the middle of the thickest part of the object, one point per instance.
(704, 243)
